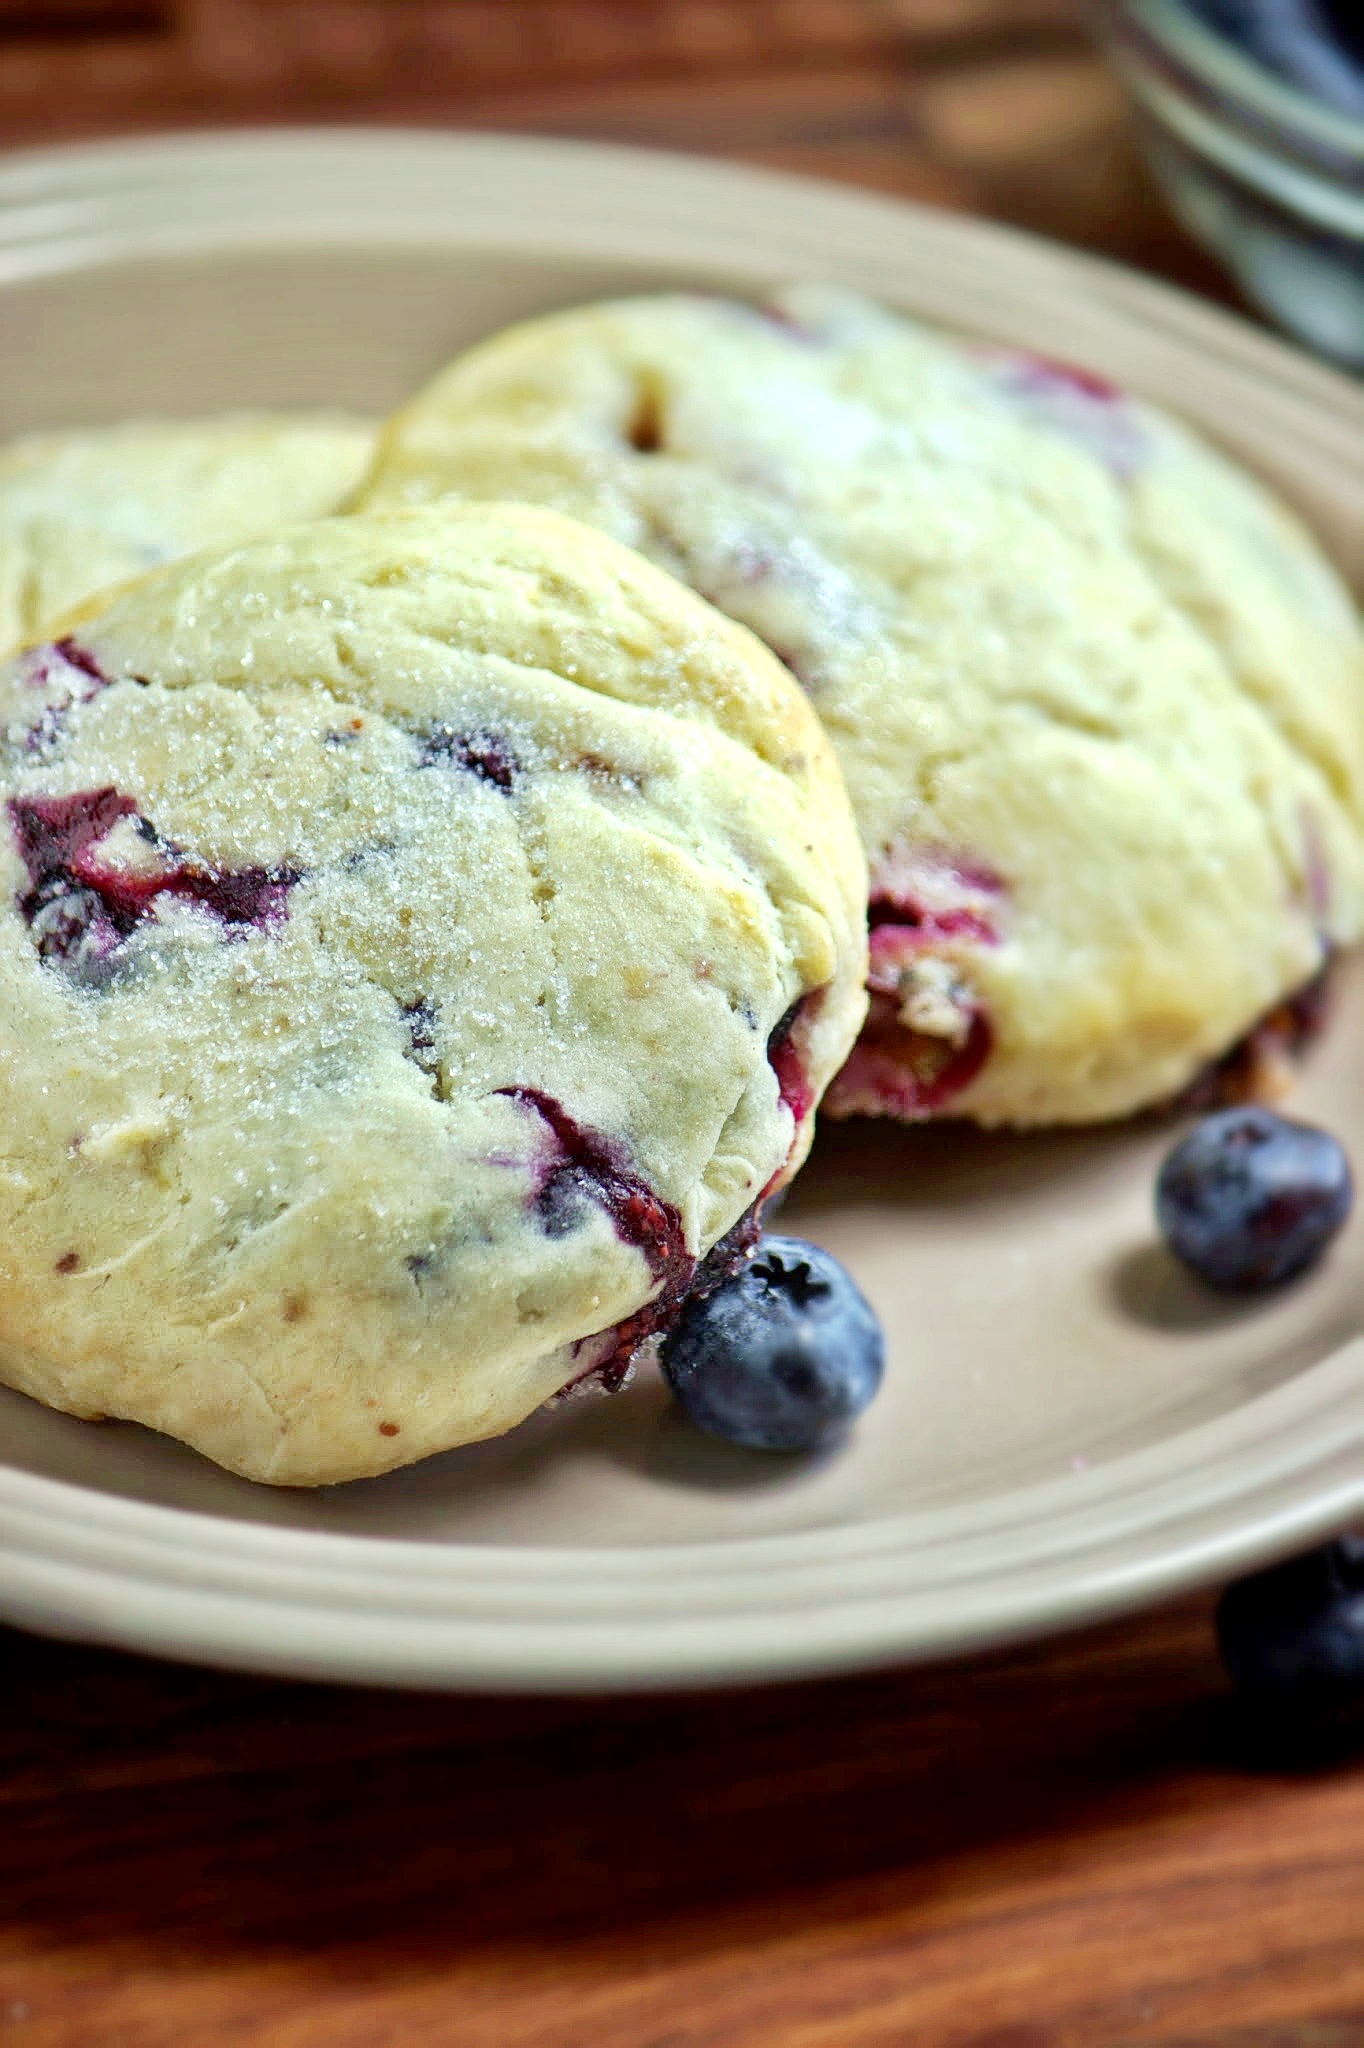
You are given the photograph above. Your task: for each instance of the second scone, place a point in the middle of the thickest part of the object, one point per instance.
(1099, 700)
(423, 939)
(82, 510)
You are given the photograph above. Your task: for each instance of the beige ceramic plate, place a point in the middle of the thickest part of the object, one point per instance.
(1068, 1428)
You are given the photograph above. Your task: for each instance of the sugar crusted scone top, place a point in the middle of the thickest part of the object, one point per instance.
(389, 910)
(82, 510)
(1066, 652)
(837, 471)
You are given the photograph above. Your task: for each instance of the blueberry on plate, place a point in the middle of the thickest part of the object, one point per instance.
(1295, 1633)
(1249, 1199)
(783, 1356)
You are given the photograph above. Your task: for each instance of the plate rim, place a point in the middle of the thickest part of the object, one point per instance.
(99, 1567)
(179, 1582)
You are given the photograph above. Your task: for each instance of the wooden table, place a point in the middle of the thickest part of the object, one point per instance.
(1069, 1847)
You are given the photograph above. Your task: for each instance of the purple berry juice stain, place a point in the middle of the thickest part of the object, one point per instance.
(1079, 404)
(921, 896)
(921, 899)
(586, 1166)
(72, 668)
(611, 1354)
(419, 1017)
(486, 755)
(82, 909)
(793, 1082)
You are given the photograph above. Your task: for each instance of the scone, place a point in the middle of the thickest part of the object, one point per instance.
(424, 939)
(1098, 699)
(81, 511)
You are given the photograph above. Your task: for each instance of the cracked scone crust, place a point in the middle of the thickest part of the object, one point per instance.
(81, 511)
(1098, 699)
(422, 939)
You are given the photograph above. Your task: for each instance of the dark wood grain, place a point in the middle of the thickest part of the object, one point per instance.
(995, 106)
(1070, 1847)
(1053, 1849)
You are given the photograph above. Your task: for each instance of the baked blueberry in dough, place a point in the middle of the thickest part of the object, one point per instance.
(80, 511)
(423, 940)
(1098, 698)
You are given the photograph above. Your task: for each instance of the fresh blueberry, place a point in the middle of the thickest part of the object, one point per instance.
(783, 1356)
(1296, 1632)
(1249, 1198)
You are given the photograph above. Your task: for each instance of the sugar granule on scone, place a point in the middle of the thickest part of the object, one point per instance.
(83, 510)
(1098, 698)
(423, 941)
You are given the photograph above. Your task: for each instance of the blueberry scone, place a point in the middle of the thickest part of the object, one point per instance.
(1098, 699)
(423, 941)
(80, 511)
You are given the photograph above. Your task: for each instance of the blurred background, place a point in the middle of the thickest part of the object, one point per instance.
(1001, 107)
